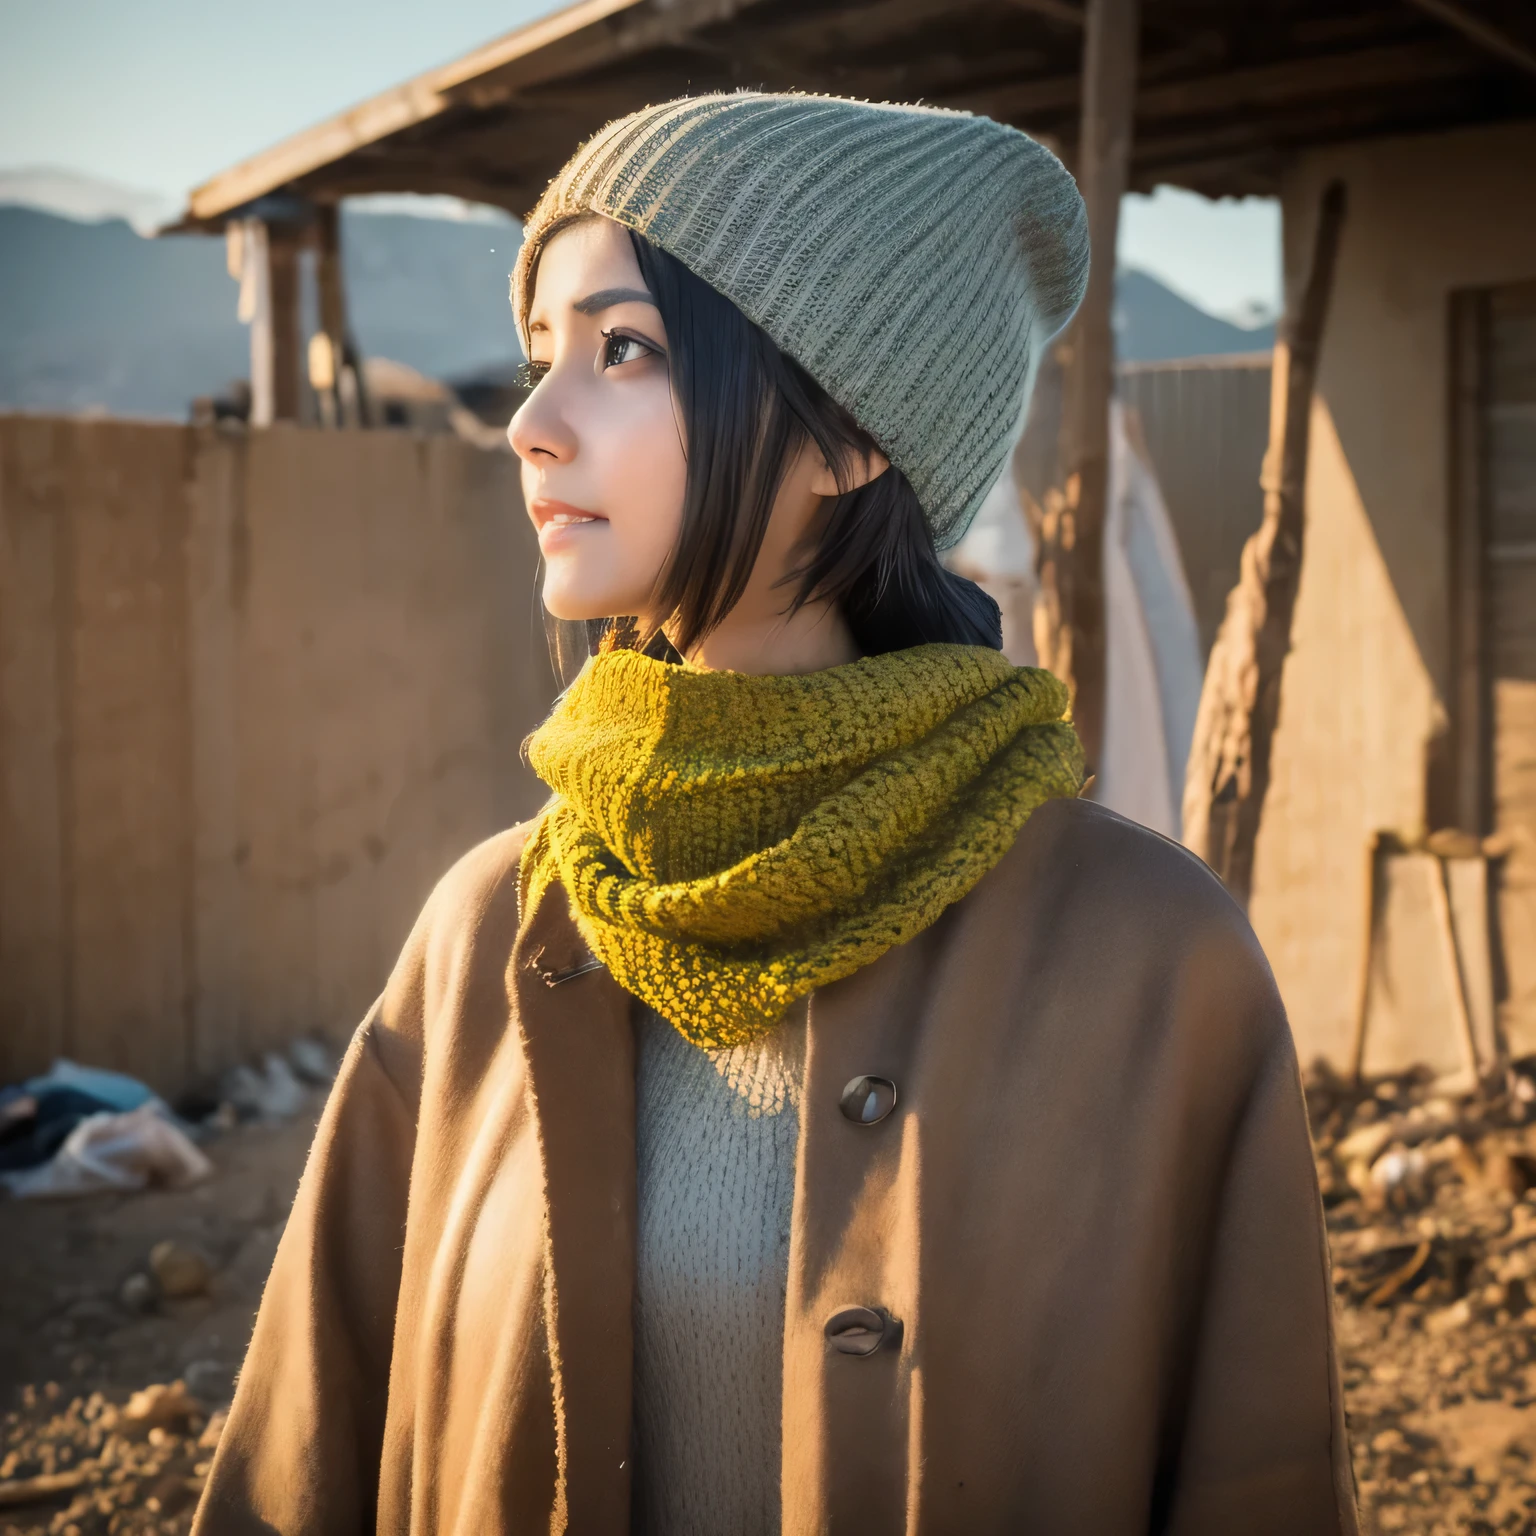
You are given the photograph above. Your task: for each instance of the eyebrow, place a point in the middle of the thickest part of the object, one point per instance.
(606, 298)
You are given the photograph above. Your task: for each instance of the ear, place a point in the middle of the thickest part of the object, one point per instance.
(861, 469)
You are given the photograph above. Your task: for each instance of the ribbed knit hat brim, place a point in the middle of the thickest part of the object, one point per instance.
(913, 261)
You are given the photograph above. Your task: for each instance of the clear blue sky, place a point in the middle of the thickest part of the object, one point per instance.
(161, 94)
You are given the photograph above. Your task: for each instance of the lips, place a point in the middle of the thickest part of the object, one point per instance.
(548, 513)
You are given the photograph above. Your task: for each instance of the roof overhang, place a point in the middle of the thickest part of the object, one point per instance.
(1225, 93)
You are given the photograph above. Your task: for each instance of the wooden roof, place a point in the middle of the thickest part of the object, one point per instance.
(1226, 89)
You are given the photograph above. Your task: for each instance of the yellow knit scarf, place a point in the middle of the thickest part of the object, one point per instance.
(729, 843)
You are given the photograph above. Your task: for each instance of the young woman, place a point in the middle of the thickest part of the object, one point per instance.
(819, 1118)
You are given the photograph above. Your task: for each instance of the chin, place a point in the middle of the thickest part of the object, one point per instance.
(572, 601)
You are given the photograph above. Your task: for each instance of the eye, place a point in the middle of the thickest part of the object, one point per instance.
(619, 349)
(528, 375)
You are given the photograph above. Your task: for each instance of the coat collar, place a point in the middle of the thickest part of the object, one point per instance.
(578, 1039)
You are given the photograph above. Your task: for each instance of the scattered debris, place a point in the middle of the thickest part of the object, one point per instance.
(79, 1130)
(313, 1060)
(1433, 1237)
(108, 1151)
(94, 1466)
(273, 1093)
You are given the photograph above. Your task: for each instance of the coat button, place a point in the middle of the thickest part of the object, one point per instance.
(868, 1100)
(861, 1330)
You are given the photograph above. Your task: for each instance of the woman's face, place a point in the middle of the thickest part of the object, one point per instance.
(604, 466)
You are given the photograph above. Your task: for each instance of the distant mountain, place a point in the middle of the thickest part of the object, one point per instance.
(77, 196)
(94, 317)
(1153, 324)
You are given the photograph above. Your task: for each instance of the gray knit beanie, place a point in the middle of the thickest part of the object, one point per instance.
(913, 261)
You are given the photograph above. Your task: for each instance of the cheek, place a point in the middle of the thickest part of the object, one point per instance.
(644, 472)
(634, 473)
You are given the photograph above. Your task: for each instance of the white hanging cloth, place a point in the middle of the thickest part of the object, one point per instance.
(1154, 667)
(246, 256)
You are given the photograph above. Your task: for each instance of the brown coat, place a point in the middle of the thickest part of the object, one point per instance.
(1093, 1213)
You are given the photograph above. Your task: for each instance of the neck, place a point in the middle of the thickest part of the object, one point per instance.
(773, 645)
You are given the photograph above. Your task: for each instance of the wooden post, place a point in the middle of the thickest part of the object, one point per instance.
(1229, 760)
(283, 256)
(1070, 633)
(333, 318)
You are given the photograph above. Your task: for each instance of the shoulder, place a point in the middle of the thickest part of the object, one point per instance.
(479, 881)
(1121, 865)
(470, 920)
(1130, 925)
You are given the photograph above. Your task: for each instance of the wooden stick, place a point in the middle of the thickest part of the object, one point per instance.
(1367, 963)
(1229, 761)
(1483, 33)
(48, 1485)
(1450, 954)
(1072, 552)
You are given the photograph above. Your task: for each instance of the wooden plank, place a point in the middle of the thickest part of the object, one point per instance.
(1467, 793)
(1229, 761)
(1415, 1014)
(1072, 564)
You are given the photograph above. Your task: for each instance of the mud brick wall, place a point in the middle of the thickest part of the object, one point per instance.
(257, 691)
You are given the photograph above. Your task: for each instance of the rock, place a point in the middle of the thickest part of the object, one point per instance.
(1449, 1319)
(210, 1381)
(181, 1271)
(209, 1439)
(139, 1293)
(163, 1406)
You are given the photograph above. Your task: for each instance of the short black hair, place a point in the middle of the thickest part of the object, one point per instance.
(746, 410)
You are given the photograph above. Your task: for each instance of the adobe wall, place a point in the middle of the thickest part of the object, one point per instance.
(1363, 690)
(256, 693)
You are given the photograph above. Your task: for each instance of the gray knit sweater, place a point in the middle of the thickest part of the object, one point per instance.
(716, 1133)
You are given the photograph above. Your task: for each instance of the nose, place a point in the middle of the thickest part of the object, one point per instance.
(540, 433)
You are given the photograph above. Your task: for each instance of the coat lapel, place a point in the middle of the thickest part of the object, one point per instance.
(577, 1033)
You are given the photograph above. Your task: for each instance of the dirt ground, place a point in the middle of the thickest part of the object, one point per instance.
(72, 1353)
(1432, 1226)
(1431, 1206)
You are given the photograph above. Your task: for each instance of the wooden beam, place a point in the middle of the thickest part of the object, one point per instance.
(1229, 90)
(1055, 10)
(283, 259)
(1483, 33)
(1229, 761)
(1072, 563)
